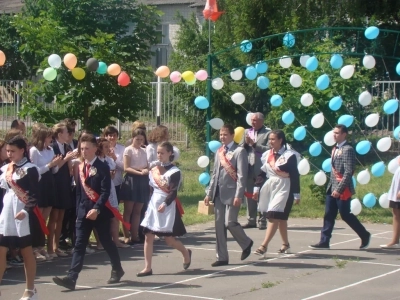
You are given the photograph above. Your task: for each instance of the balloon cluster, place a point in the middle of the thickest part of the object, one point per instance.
(189, 77)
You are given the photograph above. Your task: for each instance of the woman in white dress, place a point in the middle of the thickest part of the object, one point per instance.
(163, 214)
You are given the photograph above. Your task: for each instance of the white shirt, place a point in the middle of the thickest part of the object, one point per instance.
(229, 145)
(90, 162)
(338, 147)
(61, 146)
(151, 151)
(42, 159)
(119, 153)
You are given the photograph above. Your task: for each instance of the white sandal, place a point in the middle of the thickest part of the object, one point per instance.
(33, 297)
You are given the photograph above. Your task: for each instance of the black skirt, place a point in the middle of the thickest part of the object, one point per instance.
(135, 188)
(47, 191)
(178, 229)
(62, 181)
(278, 215)
(394, 204)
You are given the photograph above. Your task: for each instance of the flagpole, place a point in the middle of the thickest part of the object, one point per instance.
(209, 91)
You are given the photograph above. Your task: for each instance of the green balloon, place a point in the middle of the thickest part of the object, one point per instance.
(50, 74)
(102, 68)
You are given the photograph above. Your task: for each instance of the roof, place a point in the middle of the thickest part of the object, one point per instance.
(11, 6)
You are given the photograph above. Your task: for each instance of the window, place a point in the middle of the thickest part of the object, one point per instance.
(162, 32)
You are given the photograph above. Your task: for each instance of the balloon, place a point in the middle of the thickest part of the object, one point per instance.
(285, 62)
(315, 149)
(363, 147)
(162, 71)
(329, 140)
(191, 82)
(236, 74)
(300, 133)
(335, 103)
(2, 58)
(239, 133)
(346, 120)
(78, 73)
(248, 118)
(303, 60)
(289, 40)
(276, 100)
(70, 60)
(238, 98)
(393, 165)
(216, 123)
(303, 167)
(384, 144)
(54, 61)
(102, 68)
(115, 69)
(336, 61)
(201, 102)
(391, 106)
(217, 83)
(203, 161)
(397, 67)
(355, 207)
(369, 200)
(201, 75)
(322, 82)
(372, 120)
(327, 165)
(312, 64)
(295, 80)
(363, 177)
(318, 120)
(354, 181)
(92, 64)
(365, 98)
(263, 82)
(307, 99)
(320, 178)
(204, 178)
(49, 74)
(124, 79)
(371, 32)
(214, 146)
(188, 76)
(384, 200)
(261, 67)
(378, 169)
(175, 76)
(347, 72)
(250, 73)
(288, 117)
(369, 61)
(396, 133)
(246, 46)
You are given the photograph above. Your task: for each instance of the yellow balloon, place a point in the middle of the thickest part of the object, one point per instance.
(163, 72)
(78, 73)
(2, 58)
(239, 133)
(70, 60)
(188, 76)
(114, 69)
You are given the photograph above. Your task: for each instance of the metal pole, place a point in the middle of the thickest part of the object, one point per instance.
(18, 98)
(158, 100)
(209, 97)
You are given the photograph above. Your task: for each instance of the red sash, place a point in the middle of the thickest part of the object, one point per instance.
(165, 188)
(23, 196)
(94, 197)
(271, 161)
(226, 164)
(346, 193)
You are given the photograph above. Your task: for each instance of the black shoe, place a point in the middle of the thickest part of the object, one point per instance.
(247, 226)
(365, 242)
(115, 276)
(246, 252)
(187, 265)
(63, 245)
(262, 226)
(219, 263)
(143, 274)
(320, 246)
(66, 282)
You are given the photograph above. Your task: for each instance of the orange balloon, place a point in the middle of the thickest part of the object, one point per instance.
(114, 69)
(162, 72)
(2, 58)
(70, 60)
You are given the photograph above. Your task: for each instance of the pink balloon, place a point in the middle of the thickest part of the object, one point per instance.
(175, 76)
(201, 75)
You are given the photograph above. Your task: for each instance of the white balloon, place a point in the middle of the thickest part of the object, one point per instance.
(393, 165)
(248, 118)
(363, 177)
(203, 161)
(365, 98)
(329, 139)
(217, 83)
(318, 120)
(384, 200)
(216, 123)
(238, 98)
(303, 60)
(303, 167)
(177, 153)
(236, 74)
(307, 99)
(371, 120)
(296, 80)
(54, 61)
(285, 62)
(369, 61)
(320, 178)
(347, 72)
(384, 144)
(355, 207)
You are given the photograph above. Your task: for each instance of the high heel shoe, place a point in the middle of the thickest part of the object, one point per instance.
(262, 251)
(33, 297)
(285, 249)
(187, 265)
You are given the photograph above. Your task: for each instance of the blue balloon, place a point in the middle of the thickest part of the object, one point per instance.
(201, 102)
(396, 133)
(300, 133)
(262, 82)
(102, 68)
(363, 147)
(335, 103)
(315, 149)
(246, 46)
(336, 61)
(276, 100)
(371, 32)
(327, 165)
(391, 106)
(369, 200)
(250, 73)
(346, 120)
(214, 145)
(398, 68)
(322, 82)
(312, 64)
(378, 169)
(354, 181)
(288, 117)
(204, 178)
(289, 40)
(261, 67)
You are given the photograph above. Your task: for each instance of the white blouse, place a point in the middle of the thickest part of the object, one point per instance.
(42, 158)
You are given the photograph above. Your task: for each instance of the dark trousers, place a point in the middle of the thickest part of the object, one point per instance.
(83, 229)
(68, 224)
(332, 207)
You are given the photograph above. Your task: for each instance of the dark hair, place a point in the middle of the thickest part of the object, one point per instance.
(88, 138)
(19, 142)
(15, 124)
(280, 135)
(110, 130)
(158, 134)
(343, 128)
(83, 132)
(2, 144)
(100, 144)
(70, 122)
(137, 132)
(168, 146)
(39, 137)
(229, 127)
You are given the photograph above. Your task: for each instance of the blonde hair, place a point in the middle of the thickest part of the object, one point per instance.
(138, 125)
(58, 128)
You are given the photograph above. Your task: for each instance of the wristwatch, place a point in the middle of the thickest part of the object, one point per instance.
(98, 211)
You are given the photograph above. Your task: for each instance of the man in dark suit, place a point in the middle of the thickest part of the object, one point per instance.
(339, 192)
(92, 192)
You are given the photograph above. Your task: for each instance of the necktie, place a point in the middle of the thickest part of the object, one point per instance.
(336, 150)
(87, 170)
(276, 155)
(226, 149)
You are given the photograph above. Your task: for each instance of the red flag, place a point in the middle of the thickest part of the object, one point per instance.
(211, 12)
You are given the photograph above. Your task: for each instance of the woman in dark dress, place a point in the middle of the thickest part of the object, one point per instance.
(3, 160)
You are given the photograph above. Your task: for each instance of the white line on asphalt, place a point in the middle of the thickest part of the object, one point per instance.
(182, 295)
(345, 234)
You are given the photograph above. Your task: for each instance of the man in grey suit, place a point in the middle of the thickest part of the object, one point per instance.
(226, 190)
(255, 142)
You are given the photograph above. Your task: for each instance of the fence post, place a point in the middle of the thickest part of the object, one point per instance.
(18, 98)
